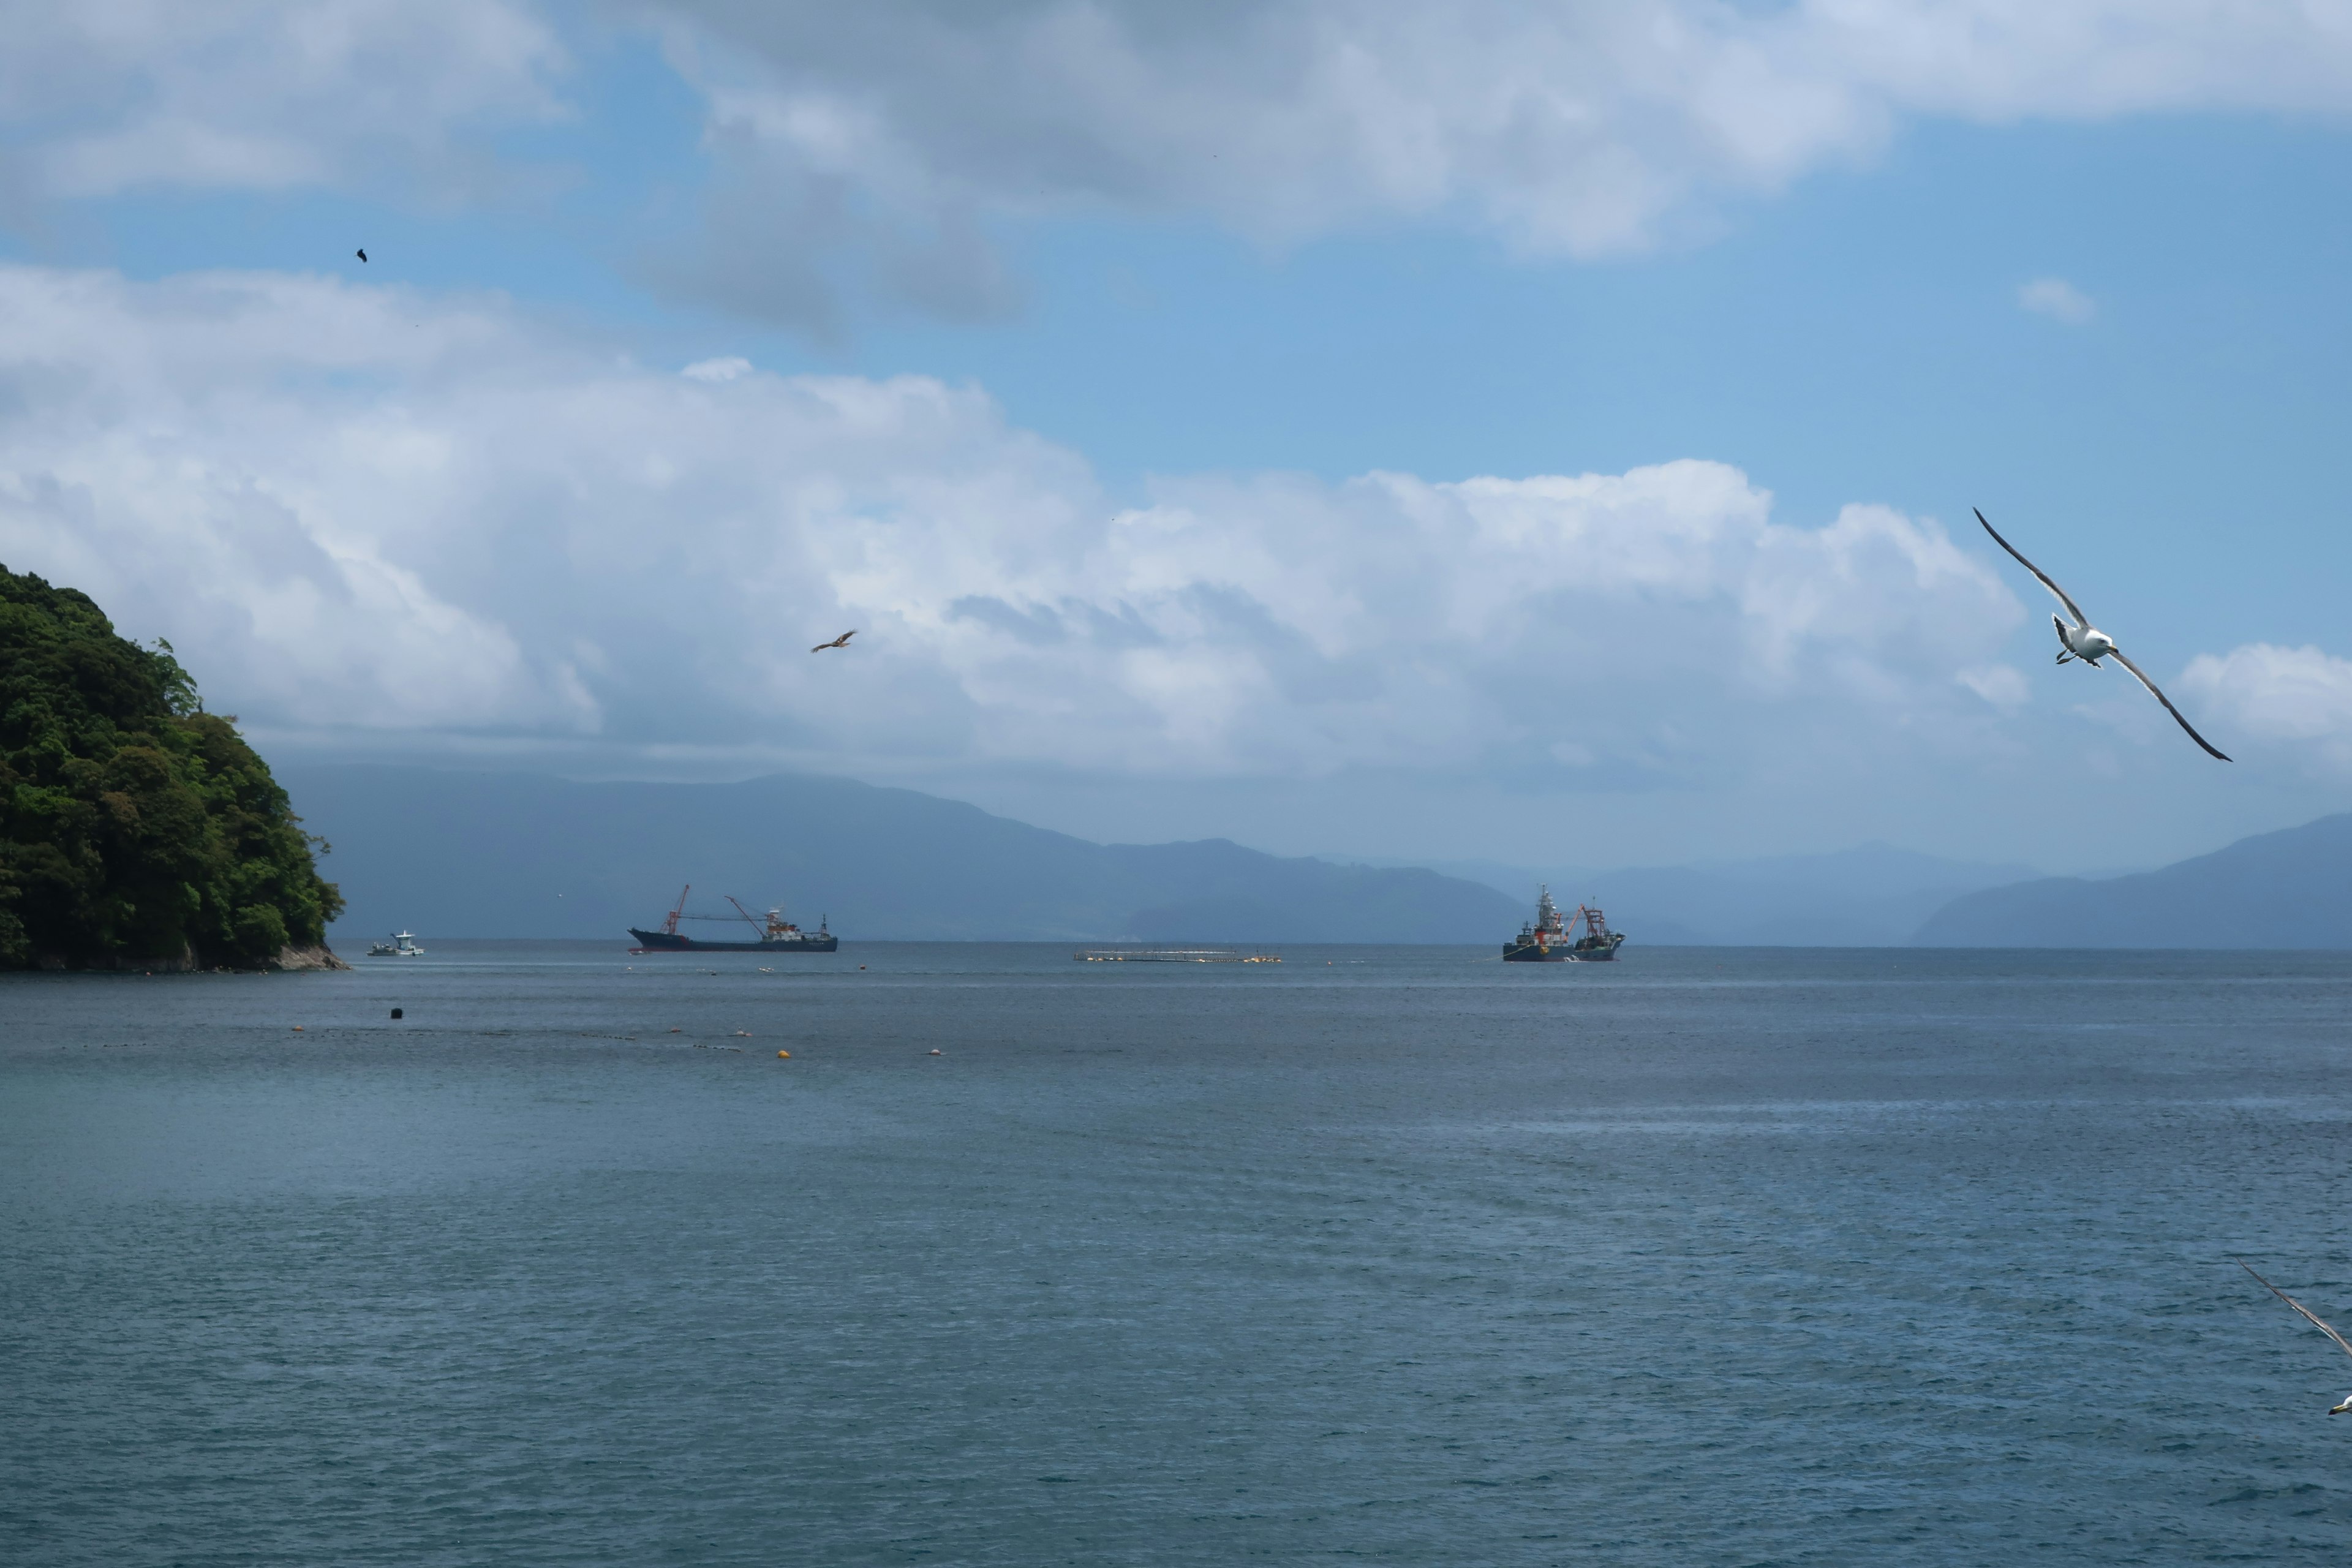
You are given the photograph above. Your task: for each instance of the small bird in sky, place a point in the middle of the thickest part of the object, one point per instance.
(2084, 641)
(841, 641)
(362, 255)
(2313, 1317)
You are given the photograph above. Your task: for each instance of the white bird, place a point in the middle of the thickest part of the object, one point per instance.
(2313, 1317)
(2084, 641)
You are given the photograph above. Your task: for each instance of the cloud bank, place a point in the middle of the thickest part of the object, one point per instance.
(899, 129)
(2297, 699)
(357, 511)
(102, 97)
(887, 142)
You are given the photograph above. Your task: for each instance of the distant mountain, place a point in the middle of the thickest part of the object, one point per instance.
(467, 854)
(1870, 896)
(2290, 888)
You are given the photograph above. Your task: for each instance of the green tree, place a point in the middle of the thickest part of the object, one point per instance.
(133, 825)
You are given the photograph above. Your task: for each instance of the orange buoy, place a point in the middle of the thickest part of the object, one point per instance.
(783, 1053)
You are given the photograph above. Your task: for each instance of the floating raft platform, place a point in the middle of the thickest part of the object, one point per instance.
(1172, 955)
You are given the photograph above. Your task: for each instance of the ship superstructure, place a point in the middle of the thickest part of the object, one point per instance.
(775, 934)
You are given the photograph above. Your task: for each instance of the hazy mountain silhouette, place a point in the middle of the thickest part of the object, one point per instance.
(2289, 888)
(471, 854)
(1873, 895)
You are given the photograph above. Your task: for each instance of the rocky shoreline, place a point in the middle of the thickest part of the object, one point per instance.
(311, 956)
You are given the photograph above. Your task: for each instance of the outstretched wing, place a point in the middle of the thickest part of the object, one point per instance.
(2073, 608)
(2117, 654)
(2290, 1300)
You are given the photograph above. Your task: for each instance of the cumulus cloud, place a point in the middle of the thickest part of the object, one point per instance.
(2058, 300)
(352, 507)
(105, 96)
(902, 127)
(2293, 697)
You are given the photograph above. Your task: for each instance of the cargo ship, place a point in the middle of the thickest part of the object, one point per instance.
(1546, 939)
(776, 934)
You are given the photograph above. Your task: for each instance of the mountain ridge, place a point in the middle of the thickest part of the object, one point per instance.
(1869, 894)
(2287, 888)
(500, 854)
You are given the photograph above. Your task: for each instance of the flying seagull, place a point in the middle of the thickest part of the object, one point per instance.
(362, 256)
(841, 641)
(2316, 1323)
(2084, 641)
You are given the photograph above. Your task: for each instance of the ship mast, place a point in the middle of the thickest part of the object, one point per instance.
(749, 917)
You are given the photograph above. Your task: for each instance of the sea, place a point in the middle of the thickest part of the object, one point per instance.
(1393, 1256)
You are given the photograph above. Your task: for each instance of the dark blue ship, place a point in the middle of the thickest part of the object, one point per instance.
(1546, 939)
(776, 934)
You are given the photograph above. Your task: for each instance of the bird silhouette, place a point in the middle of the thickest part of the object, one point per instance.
(2084, 641)
(2309, 1316)
(841, 641)
(362, 255)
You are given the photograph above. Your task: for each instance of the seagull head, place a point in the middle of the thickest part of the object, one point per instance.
(2343, 1409)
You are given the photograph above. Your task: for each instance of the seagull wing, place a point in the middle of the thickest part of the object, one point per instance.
(2307, 1312)
(2118, 656)
(2073, 608)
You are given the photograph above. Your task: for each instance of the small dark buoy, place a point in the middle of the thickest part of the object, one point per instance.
(395, 1012)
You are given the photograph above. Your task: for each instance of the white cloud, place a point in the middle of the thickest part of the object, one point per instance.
(2002, 685)
(1584, 128)
(104, 95)
(881, 142)
(2058, 300)
(2297, 697)
(347, 519)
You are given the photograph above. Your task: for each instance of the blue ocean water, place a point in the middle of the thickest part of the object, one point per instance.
(1399, 1256)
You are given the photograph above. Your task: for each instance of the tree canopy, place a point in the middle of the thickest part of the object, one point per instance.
(133, 825)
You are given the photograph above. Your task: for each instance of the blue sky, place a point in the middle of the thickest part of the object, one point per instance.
(1086, 445)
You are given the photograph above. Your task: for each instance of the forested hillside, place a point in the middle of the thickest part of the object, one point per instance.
(135, 827)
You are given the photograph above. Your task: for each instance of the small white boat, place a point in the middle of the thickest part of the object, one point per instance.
(401, 944)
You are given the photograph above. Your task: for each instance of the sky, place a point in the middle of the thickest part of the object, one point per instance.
(1540, 432)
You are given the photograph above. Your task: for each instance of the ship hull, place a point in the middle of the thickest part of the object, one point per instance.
(666, 941)
(1606, 953)
(1532, 952)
